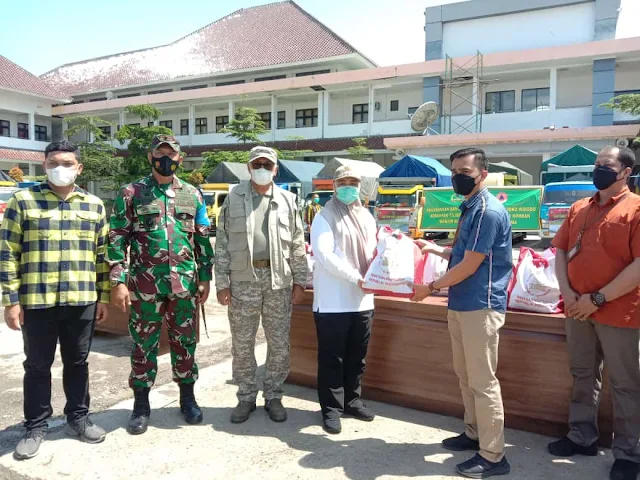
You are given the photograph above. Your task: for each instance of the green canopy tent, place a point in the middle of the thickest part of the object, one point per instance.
(577, 156)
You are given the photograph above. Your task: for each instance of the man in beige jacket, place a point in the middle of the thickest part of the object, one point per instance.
(260, 269)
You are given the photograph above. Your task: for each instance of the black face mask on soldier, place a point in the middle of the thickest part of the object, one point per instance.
(165, 166)
(463, 184)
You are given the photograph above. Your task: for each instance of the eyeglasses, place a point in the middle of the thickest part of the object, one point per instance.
(266, 165)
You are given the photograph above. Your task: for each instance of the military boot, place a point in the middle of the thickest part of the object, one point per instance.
(188, 406)
(141, 412)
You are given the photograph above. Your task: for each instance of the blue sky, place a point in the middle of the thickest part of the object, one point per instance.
(42, 34)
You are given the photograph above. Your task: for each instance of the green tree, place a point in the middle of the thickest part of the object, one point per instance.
(99, 158)
(136, 164)
(628, 103)
(247, 126)
(359, 151)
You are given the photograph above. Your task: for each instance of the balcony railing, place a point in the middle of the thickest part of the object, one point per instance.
(24, 143)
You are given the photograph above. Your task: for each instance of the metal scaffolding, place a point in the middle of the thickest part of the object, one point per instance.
(462, 107)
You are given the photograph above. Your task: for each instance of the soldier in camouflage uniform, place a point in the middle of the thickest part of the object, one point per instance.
(261, 269)
(164, 221)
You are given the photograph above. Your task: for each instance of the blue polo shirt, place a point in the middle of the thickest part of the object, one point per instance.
(485, 228)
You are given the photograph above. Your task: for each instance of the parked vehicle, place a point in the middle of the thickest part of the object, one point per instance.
(400, 192)
(557, 199)
(214, 196)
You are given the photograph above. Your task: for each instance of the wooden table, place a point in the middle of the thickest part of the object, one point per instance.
(409, 363)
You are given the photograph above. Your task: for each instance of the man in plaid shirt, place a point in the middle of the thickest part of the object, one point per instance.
(55, 286)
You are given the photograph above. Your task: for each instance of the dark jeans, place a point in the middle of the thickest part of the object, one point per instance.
(343, 339)
(42, 329)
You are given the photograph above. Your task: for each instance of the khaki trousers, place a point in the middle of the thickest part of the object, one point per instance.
(592, 345)
(474, 341)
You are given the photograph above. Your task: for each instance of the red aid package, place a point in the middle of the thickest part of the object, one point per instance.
(534, 285)
(397, 262)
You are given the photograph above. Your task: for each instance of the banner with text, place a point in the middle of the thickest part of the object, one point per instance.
(442, 208)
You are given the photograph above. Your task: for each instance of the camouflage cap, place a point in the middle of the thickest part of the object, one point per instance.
(263, 152)
(345, 171)
(165, 139)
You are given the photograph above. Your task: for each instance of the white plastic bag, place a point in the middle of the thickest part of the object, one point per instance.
(394, 266)
(310, 264)
(434, 268)
(534, 286)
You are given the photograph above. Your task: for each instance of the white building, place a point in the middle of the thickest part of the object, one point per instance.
(26, 126)
(535, 73)
(546, 67)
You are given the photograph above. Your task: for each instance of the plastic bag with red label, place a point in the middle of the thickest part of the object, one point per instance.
(398, 262)
(534, 285)
(434, 268)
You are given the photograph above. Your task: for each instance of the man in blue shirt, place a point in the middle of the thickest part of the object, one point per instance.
(480, 263)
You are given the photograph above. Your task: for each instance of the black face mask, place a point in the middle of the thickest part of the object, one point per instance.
(165, 166)
(604, 177)
(463, 184)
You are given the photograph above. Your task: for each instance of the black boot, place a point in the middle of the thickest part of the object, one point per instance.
(141, 412)
(188, 406)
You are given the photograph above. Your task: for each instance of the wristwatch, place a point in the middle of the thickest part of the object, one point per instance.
(432, 287)
(598, 299)
(115, 283)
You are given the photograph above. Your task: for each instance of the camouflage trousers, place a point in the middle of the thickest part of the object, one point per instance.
(249, 302)
(145, 324)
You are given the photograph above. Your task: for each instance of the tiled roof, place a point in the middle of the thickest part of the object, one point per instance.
(266, 35)
(14, 77)
(21, 155)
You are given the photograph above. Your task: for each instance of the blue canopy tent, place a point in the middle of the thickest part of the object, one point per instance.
(412, 166)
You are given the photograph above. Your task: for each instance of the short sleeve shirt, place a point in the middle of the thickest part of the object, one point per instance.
(610, 243)
(484, 227)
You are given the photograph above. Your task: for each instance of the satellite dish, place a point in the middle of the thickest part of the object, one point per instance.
(425, 116)
(109, 95)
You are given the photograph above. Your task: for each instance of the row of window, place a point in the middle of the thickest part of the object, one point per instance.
(307, 117)
(23, 131)
(532, 99)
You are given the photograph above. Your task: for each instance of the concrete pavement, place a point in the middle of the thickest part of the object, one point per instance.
(400, 443)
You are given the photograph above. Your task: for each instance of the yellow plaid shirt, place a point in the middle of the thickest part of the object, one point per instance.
(52, 251)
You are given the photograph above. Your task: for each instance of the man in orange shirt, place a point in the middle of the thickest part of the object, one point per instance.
(598, 269)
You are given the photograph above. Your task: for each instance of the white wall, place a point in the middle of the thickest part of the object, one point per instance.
(408, 97)
(575, 88)
(628, 76)
(24, 103)
(341, 106)
(520, 31)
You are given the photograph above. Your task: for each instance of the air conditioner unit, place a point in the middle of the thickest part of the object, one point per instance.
(622, 142)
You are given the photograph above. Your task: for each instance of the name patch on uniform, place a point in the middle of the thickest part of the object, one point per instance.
(185, 199)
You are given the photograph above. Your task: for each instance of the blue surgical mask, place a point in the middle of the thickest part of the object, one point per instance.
(348, 195)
